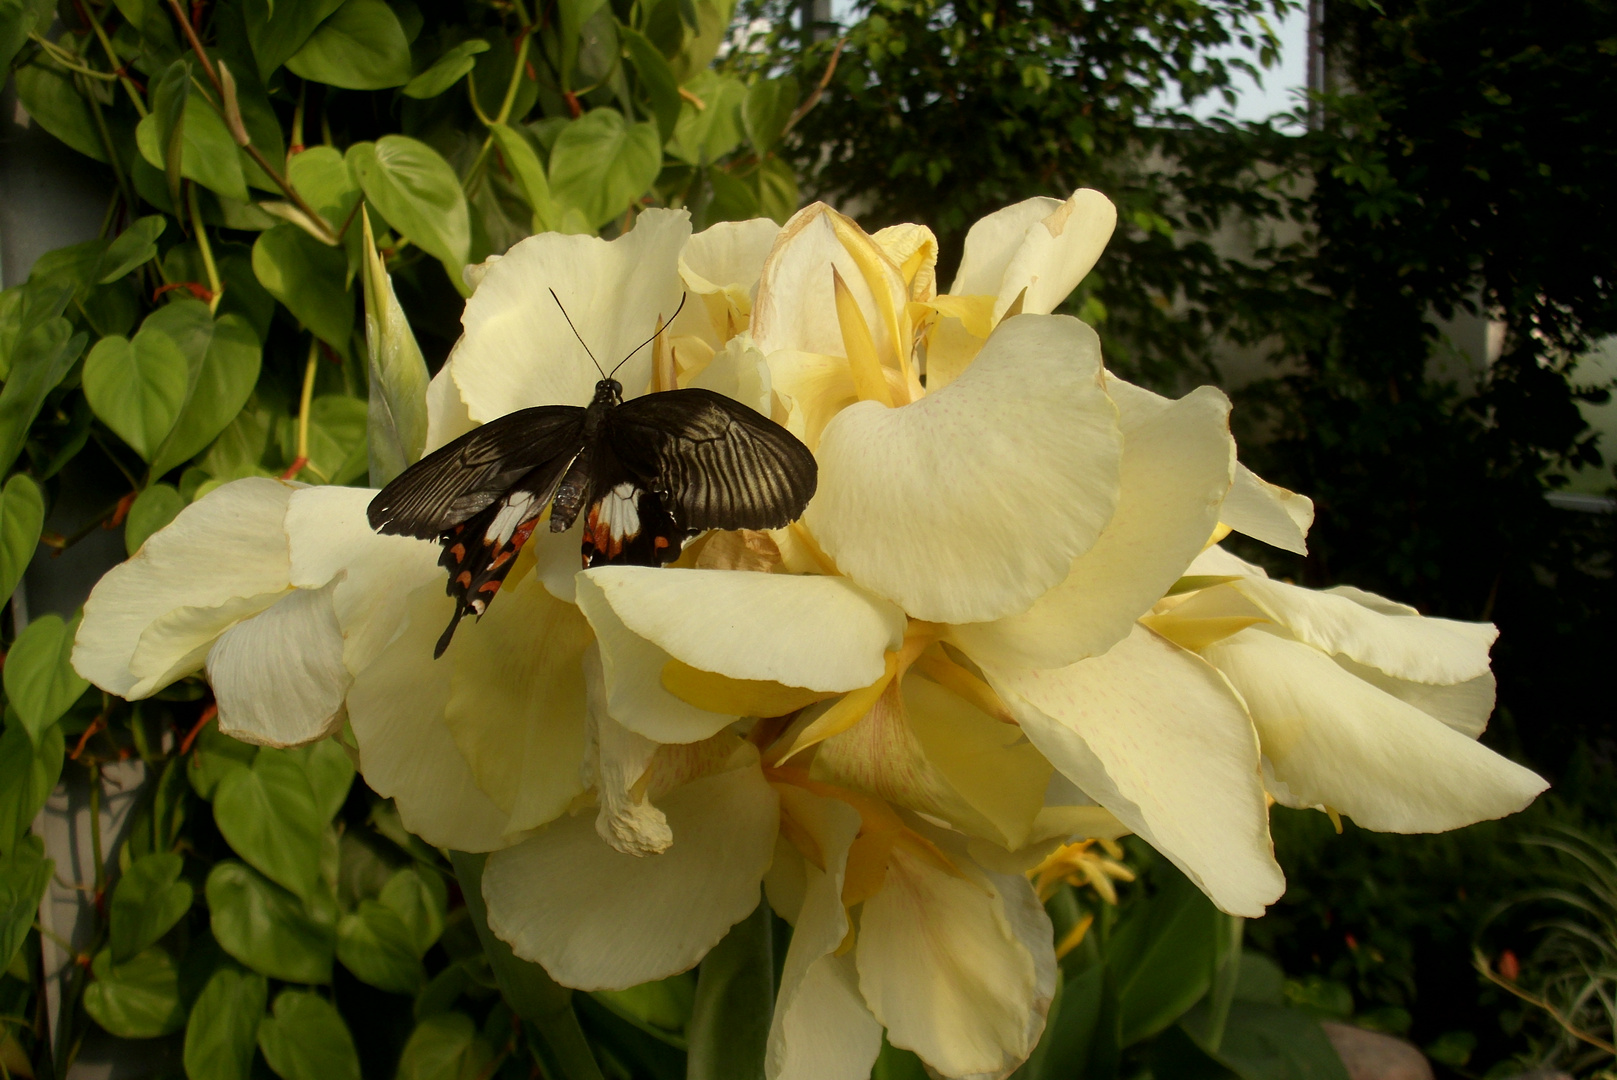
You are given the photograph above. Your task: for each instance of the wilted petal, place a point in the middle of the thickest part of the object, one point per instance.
(822, 633)
(517, 349)
(914, 250)
(226, 546)
(1155, 735)
(396, 708)
(609, 920)
(1334, 740)
(959, 969)
(821, 1029)
(516, 702)
(918, 503)
(329, 537)
(1177, 464)
(279, 677)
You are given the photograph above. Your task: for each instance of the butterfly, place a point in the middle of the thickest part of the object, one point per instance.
(648, 474)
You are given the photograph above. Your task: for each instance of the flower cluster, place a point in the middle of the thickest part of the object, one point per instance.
(1003, 624)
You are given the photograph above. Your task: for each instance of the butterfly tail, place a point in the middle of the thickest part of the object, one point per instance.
(449, 632)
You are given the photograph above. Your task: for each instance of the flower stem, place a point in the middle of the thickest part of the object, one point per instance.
(201, 230)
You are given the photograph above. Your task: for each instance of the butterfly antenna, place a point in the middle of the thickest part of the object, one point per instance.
(653, 337)
(579, 336)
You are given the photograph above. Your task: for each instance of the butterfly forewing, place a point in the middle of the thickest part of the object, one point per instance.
(719, 464)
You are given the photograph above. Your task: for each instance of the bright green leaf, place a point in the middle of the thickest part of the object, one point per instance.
(149, 899)
(223, 1028)
(163, 129)
(376, 946)
(656, 79)
(360, 46)
(39, 678)
(224, 373)
(40, 360)
(444, 1046)
(331, 773)
(524, 165)
(601, 164)
(777, 189)
(337, 424)
(138, 998)
(55, 104)
(208, 153)
(414, 188)
(137, 388)
(764, 113)
(152, 509)
(267, 928)
(396, 414)
(411, 894)
(447, 70)
(306, 1039)
(703, 136)
(310, 279)
(321, 176)
(132, 248)
(27, 775)
(278, 28)
(214, 757)
(24, 874)
(268, 814)
(22, 518)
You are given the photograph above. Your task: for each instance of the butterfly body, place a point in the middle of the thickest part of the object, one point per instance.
(645, 474)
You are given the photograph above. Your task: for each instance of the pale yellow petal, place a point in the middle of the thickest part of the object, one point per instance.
(720, 267)
(1057, 253)
(176, 644)
(914, 250)
(1177, 464)
(1156, 736)
(970, 503)
(1268, 512)
(1464, 706)
(738, 371)
(447, 418)
(279, 677)
(993, 241)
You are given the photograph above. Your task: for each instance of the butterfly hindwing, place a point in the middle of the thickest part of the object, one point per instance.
(718, 464)
(628, 524)
(480, 552)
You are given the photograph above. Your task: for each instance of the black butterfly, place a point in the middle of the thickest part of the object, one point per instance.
(653, 472)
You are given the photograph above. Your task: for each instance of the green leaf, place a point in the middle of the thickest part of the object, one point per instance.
(601, 163)
(152, 509)
(419, 195)
(446, 71)
(705, 135)
(54, 103)
(1272, 1042)
(278, 28)
(208, 154)
(376, 946)
(40, 360)
(656, 78)
(164, 128)
(138, 998)
(268, 814)
(137, 388)
(769, 104)
(310, 278)
(39, 678)
(735, 999)
(222, 1032)
(149, 899)
(396, 415)
(24, 874)
(1080, 1037)
(777, 189)
(265, 927)
(22, 519)
(361, 46)
(321, 176)
(27, 775)
(1164, 955)
(444, 1046)
(527, 987)
(337, 425)
(330, 772)
(214, 757)
(18, 18)
(733, 199)
(225, 359)
(524, 164)
(132, 248)
(306, 1039)
(417, 896)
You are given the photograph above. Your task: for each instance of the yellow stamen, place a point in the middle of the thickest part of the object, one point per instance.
(869, 381)
(1336, 819)
(1074, 937)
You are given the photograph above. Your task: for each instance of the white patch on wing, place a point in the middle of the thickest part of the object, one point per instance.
(518, 507)
(620, 511)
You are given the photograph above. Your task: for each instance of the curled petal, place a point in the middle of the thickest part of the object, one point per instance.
(959, 969)
(1268, 512)
(1056, 247)
(1156, 736)
(822, 633)
(1177, 464)
(610, 920)
(915, 503)
(396, 708)
(720, 267)
(914, 250)
(279, 677)
(1335, 740)
(224, 547)
(517, 349)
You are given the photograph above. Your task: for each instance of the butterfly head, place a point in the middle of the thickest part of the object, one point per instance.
(608, 392)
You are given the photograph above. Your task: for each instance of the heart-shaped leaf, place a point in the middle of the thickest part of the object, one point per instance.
(137, 388)
(768, 106)
(330, 772)
(41, 358)
(444, 1046)
(132, 248)
(446, 71)
(704, 135)
(267, 928)
(152, 509)
(22, 517)
(149, 899)
(225, 357)
(310, 279)
(278, 28)
(208, 154)
(306, 1039)
(39, 676)
(216, 756)
(268, 815)
(24, 873)
(136, 999)
(419, 899)
(361, 46)
(601, 163)
(223, 1028)
(377, 947)
(27, 775)
(414, 188)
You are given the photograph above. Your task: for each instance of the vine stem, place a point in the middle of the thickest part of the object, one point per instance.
(214, 285)
(476, 171)
(1506, 985)
(112, 58)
